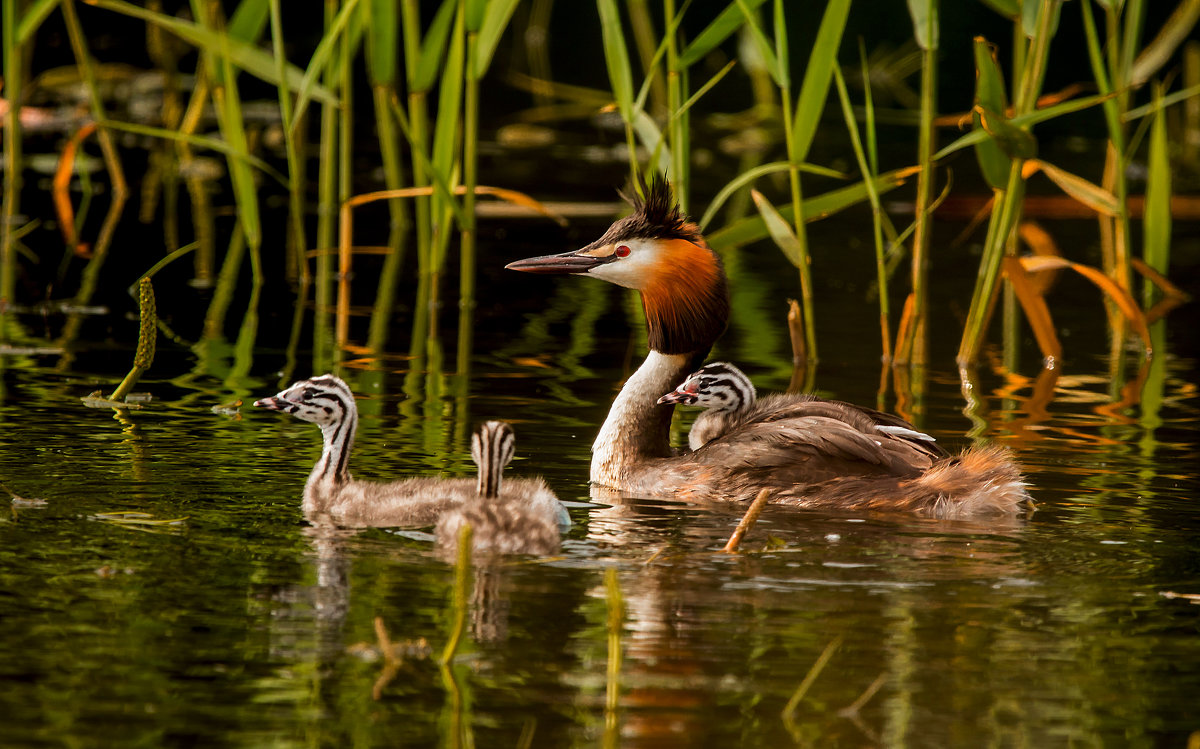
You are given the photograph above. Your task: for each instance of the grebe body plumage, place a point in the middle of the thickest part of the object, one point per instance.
(809, 453)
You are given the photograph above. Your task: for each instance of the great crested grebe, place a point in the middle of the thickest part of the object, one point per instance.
(521, 517)
(328, 402)
(730, 400)
(831, 459)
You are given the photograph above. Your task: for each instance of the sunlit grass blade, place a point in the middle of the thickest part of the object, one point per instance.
(817, 74)
(249, 20)
(779, 230)
(1156, 54)
(214, 144)
(616, 57)
(1156, 223)
(1090, 194)
(433, 48)
(32, 18)
(750, 175)
(321, 56)
(726, 23)
(766, 50)
(499, 12)
(249, 57)
(752, 228)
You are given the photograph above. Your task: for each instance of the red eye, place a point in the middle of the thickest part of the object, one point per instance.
(622, 250)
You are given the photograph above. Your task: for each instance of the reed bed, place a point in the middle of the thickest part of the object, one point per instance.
(425, 65)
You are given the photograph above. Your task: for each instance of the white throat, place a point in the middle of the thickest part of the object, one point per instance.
(637, 427)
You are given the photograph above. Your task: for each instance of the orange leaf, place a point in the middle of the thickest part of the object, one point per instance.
(1036, 310)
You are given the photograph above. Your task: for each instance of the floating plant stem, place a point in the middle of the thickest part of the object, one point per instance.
(748, 520)
(147, 334)
(462, 583)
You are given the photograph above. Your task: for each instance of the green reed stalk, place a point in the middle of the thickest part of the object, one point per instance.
(1006, 208)
(345, 181)
(876, 210)
(13, 79)
(466, 272)
(418, 121)
(382, 26)
(327, 182)
(678, 129)
(296, 235)
(1111, 77)
(914, 348)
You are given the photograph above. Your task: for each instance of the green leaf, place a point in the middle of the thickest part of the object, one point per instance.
(1026, 120)
(1014, 141)
(432, 48)
(750, 175)
(616, 57)
(498, 14)
(383, 42)
(925, 22)
(249, 20)
(475, 10)
(1088, 193)
(817, 76)
(753, 228)
(250, 58)
(989, 97)
(1156, 247)
(31, 19)
(1029, 14)
(778, 228)
(320, 57)
(725, 24)
(770, 59)
(1010, 9)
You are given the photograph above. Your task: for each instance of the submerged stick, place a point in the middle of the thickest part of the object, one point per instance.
(790, 710)
(147, 335)
(748, 520)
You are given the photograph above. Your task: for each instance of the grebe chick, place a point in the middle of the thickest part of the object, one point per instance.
(521, 517)
(810, 456)
(729, 400)
(330, 490)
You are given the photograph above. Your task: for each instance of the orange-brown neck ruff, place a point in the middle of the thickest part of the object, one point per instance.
(687, 301)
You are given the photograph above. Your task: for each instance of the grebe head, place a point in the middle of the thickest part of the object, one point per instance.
(719, 386)
(661, 253)
(323, 400)
(492, 447)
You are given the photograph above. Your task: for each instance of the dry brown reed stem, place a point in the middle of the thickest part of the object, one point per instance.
(748, 520)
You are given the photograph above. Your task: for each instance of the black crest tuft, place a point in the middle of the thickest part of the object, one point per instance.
(656, 216)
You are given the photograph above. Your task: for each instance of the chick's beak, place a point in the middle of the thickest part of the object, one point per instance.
(678, 397)
(271, 403)
(566, 262)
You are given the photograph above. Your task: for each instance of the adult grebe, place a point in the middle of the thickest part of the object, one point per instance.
(817, 461)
